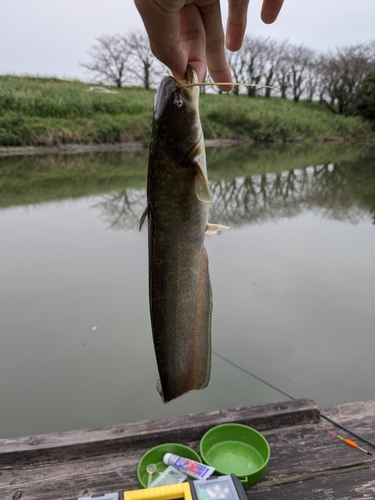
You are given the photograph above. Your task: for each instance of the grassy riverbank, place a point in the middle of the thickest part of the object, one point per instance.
(41, 111)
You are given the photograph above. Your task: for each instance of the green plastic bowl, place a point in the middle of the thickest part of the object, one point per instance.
(236, 449)
(155, 456)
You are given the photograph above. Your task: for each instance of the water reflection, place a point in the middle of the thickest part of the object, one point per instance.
(293, 301)
(257, 199)
(340, 191)
(121, 210)
(249, 184)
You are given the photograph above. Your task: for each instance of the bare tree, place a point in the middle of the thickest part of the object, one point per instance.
(109, 59)
(329, 78)
(343, 73)
(275, 53)
(254, 53)
(143, 66)
(283, 71)
(355, 63)
(254, 63)
(236, 63)
(312, 78)
(299, 59)
(270, 67)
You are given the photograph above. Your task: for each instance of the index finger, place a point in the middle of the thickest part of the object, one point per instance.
(216, 59)
(236, 23)
(270, 10)
(163, 29)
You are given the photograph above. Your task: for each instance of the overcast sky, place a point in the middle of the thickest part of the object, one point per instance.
(50, 37)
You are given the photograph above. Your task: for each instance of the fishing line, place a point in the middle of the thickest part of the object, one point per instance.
(292, 398)
(205, 84)
(255, 376)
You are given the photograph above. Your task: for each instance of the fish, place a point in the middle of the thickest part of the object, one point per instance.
(178, 198)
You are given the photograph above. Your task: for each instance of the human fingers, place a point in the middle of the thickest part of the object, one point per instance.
(193, 39)
(162, 23)
(236, 23)
(215, 52)
(270, 10)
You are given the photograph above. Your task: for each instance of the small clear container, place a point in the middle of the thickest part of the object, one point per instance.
(151, 470)
(170, 475)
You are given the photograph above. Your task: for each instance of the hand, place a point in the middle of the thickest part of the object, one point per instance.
(185, 32)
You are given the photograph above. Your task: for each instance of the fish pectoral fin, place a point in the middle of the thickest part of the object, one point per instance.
(202, 189)
(144, 215)
(215, 228)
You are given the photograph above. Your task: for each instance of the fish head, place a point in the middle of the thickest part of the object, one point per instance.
(176, 114)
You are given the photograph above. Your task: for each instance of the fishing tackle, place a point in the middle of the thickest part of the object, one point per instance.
(293, 399)
(349, 442)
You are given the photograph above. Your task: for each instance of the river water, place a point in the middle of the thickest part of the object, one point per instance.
(293, 283)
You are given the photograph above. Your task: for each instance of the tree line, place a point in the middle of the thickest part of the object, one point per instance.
(299, 72)
(281, 68)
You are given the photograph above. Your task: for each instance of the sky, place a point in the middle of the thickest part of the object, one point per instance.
(51, 37)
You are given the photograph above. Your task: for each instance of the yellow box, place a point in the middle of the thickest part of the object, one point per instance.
(170, 492)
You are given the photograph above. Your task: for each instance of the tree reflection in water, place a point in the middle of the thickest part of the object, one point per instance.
(337, 190)
(123, 209)
(250, 185)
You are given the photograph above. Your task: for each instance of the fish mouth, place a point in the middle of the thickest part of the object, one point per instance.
(169, 85)
(165, 89)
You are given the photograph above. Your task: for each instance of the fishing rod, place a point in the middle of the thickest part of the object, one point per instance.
(292, 398)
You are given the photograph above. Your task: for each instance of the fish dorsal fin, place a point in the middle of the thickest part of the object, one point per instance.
(144, 215)
(215, 228)
(202, 189)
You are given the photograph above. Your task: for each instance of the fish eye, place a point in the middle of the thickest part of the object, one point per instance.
(179, 103)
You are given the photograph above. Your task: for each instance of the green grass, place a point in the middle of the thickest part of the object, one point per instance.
(277, 120)
(49, 111)
(53, 98)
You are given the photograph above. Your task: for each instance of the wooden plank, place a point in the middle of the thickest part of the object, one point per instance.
(67, 480)
(344, 485)
(359, 416)
(302, 452)
(90, 442)
(115, 471)
(54, 484)
(306, 462)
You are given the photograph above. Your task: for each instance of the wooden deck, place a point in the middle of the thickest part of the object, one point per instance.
(306, 462)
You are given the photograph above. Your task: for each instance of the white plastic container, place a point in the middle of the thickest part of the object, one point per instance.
(188, 466)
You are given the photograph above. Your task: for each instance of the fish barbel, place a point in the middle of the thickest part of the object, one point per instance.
(178, 197)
